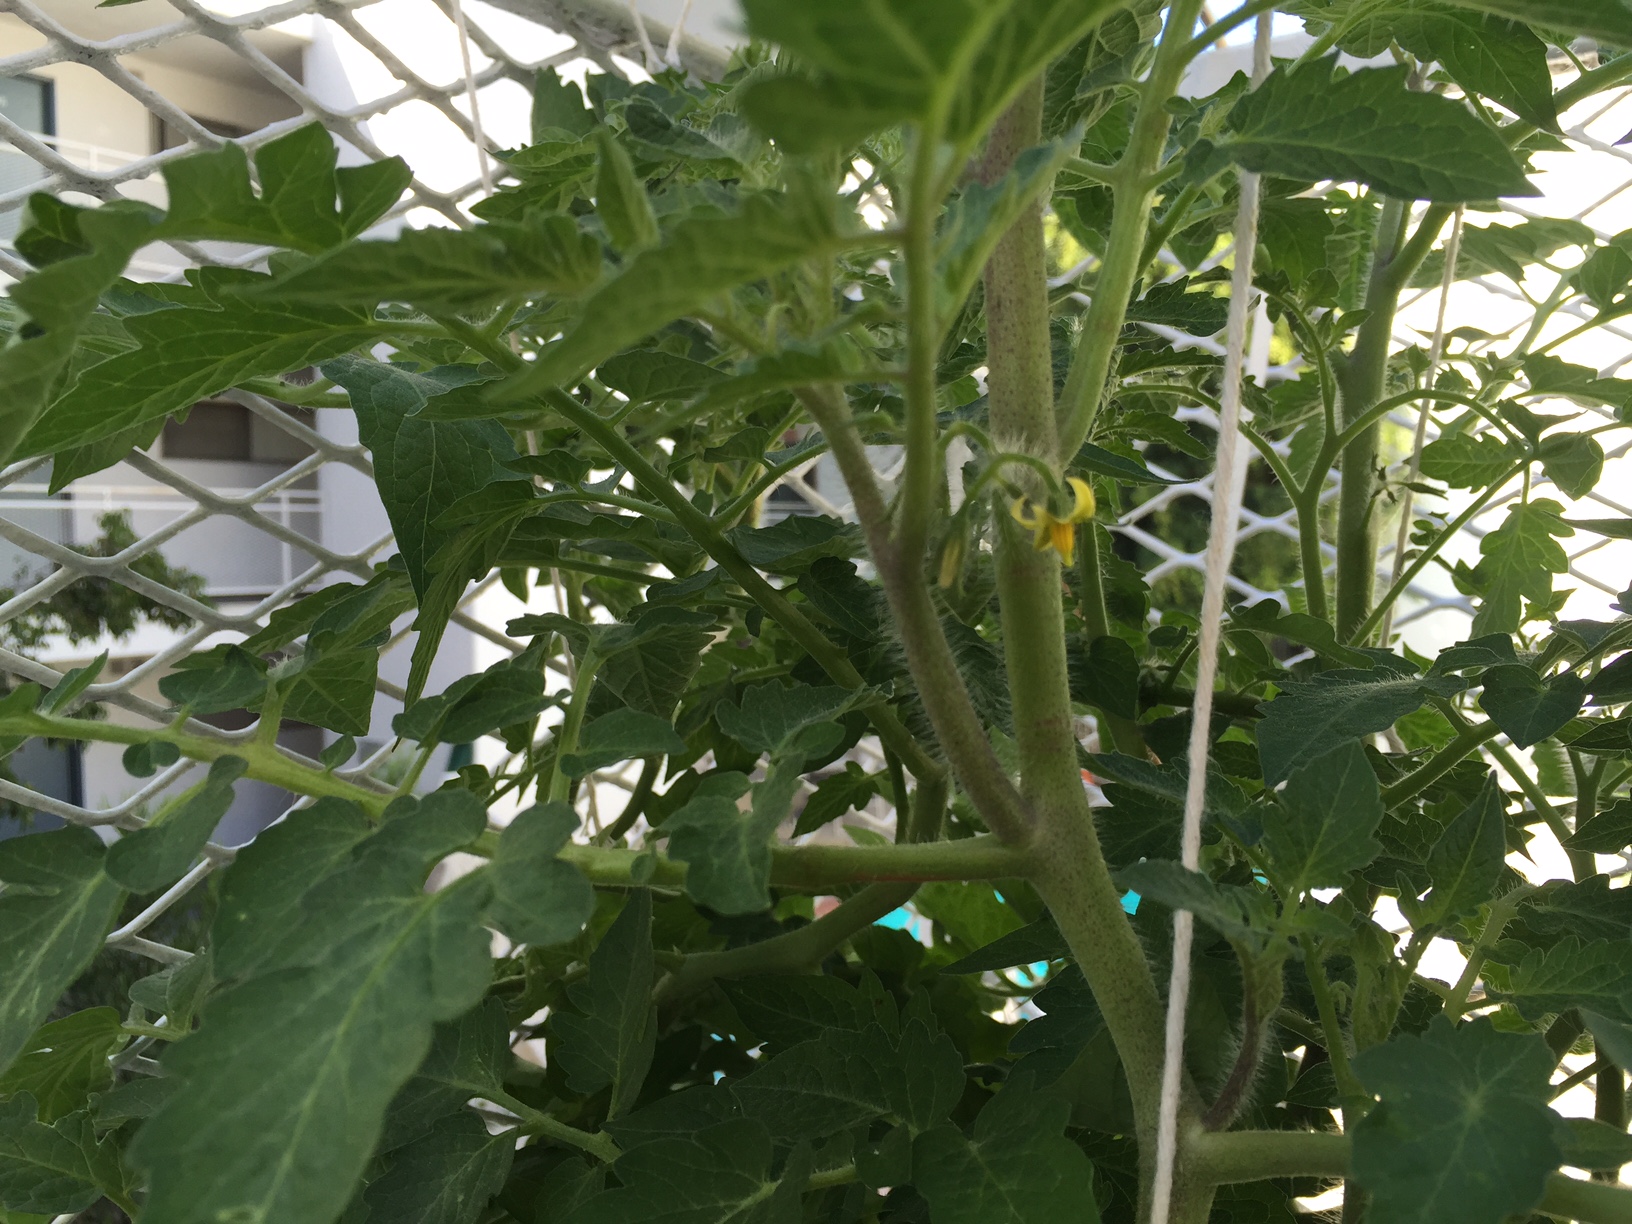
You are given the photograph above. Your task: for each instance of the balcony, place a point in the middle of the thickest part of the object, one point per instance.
(238, 557)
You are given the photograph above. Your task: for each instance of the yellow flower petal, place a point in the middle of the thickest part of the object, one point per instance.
(1064, 539)
(1026, 518)
(1083, 493)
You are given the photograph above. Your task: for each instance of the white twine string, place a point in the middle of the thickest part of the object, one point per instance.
(653, 61)
(483, 167)
(1227, 489)
(671, 54)
(1436, 354)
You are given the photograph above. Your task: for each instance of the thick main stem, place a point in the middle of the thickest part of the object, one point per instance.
(1071, 870)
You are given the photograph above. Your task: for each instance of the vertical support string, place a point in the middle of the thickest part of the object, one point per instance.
(1436, 354)
(483, 167)
(1228, 482)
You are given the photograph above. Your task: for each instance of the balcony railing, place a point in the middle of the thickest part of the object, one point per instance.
(237, 555)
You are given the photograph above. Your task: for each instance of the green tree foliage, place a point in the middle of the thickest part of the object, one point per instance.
(681, 293)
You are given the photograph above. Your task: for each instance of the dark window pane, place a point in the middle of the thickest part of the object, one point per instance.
(213, 429)
(26, 101)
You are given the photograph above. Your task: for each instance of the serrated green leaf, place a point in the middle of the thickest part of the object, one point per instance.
(288, 1079)
(332, 683)
(176, 991)
(468, 1058)
(700, 257)
(1106, 675)
(648, 662)
(1242, 915)
(303, 201)
(1572, 461)
(558, 107)
(608, 1042)
(510, 691)
(448, 269)
(189, 354)
(844, 1079)
(445, 1177)
(57, 905)
(772, 717)
(1050, 1043)
(1018, 1169)
(1609, 20)
(59, 300)
(728, 851)
(1507, 250)
(1467, 1090)
(894, 62)
(537, 899)
(1501, 60)
(835, 795)
(161, 851)
(1321, 830)
(1368, 127)
(1517, 561)
(65, 1061)
(621, 202)
(787, 1010)
(1037, 941)
(1311, 718)
(422, 468)
(646, 375)
(51, 1169)
(796, 543)
(214, 684)
(1608, 832)
(1587, 909)
(1465, 862)
(61, 696)
(1596, 976)
(1611, 738)
(1266, 616)
(622, 735)
(1468, 461)
(261, 892)
(719, 1175)
(1595, 1145)
(1222, 802)
(1527, 708)
(1171, 304)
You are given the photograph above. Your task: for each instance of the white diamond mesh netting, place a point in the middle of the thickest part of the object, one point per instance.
(388, 78)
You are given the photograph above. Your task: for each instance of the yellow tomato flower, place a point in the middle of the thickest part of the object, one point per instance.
(1048, 529)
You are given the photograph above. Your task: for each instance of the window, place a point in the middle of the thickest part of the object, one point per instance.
(224, 431)
(30, 103)
(168, 136)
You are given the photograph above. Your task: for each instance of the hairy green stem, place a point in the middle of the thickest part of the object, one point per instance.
(566, 740)
(1229, 1157)
(1350, 1092)
(929, 656)
(1425, 775)
(536, 1122)
(1362, 378)
(1501, 913)
(267, 762)
(1544, 808)
(1421, 561)
(805, 948)
(813, 868)
(1134, 195)
(1072, 876)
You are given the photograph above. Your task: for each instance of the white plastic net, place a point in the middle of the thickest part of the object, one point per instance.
(293, 506)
